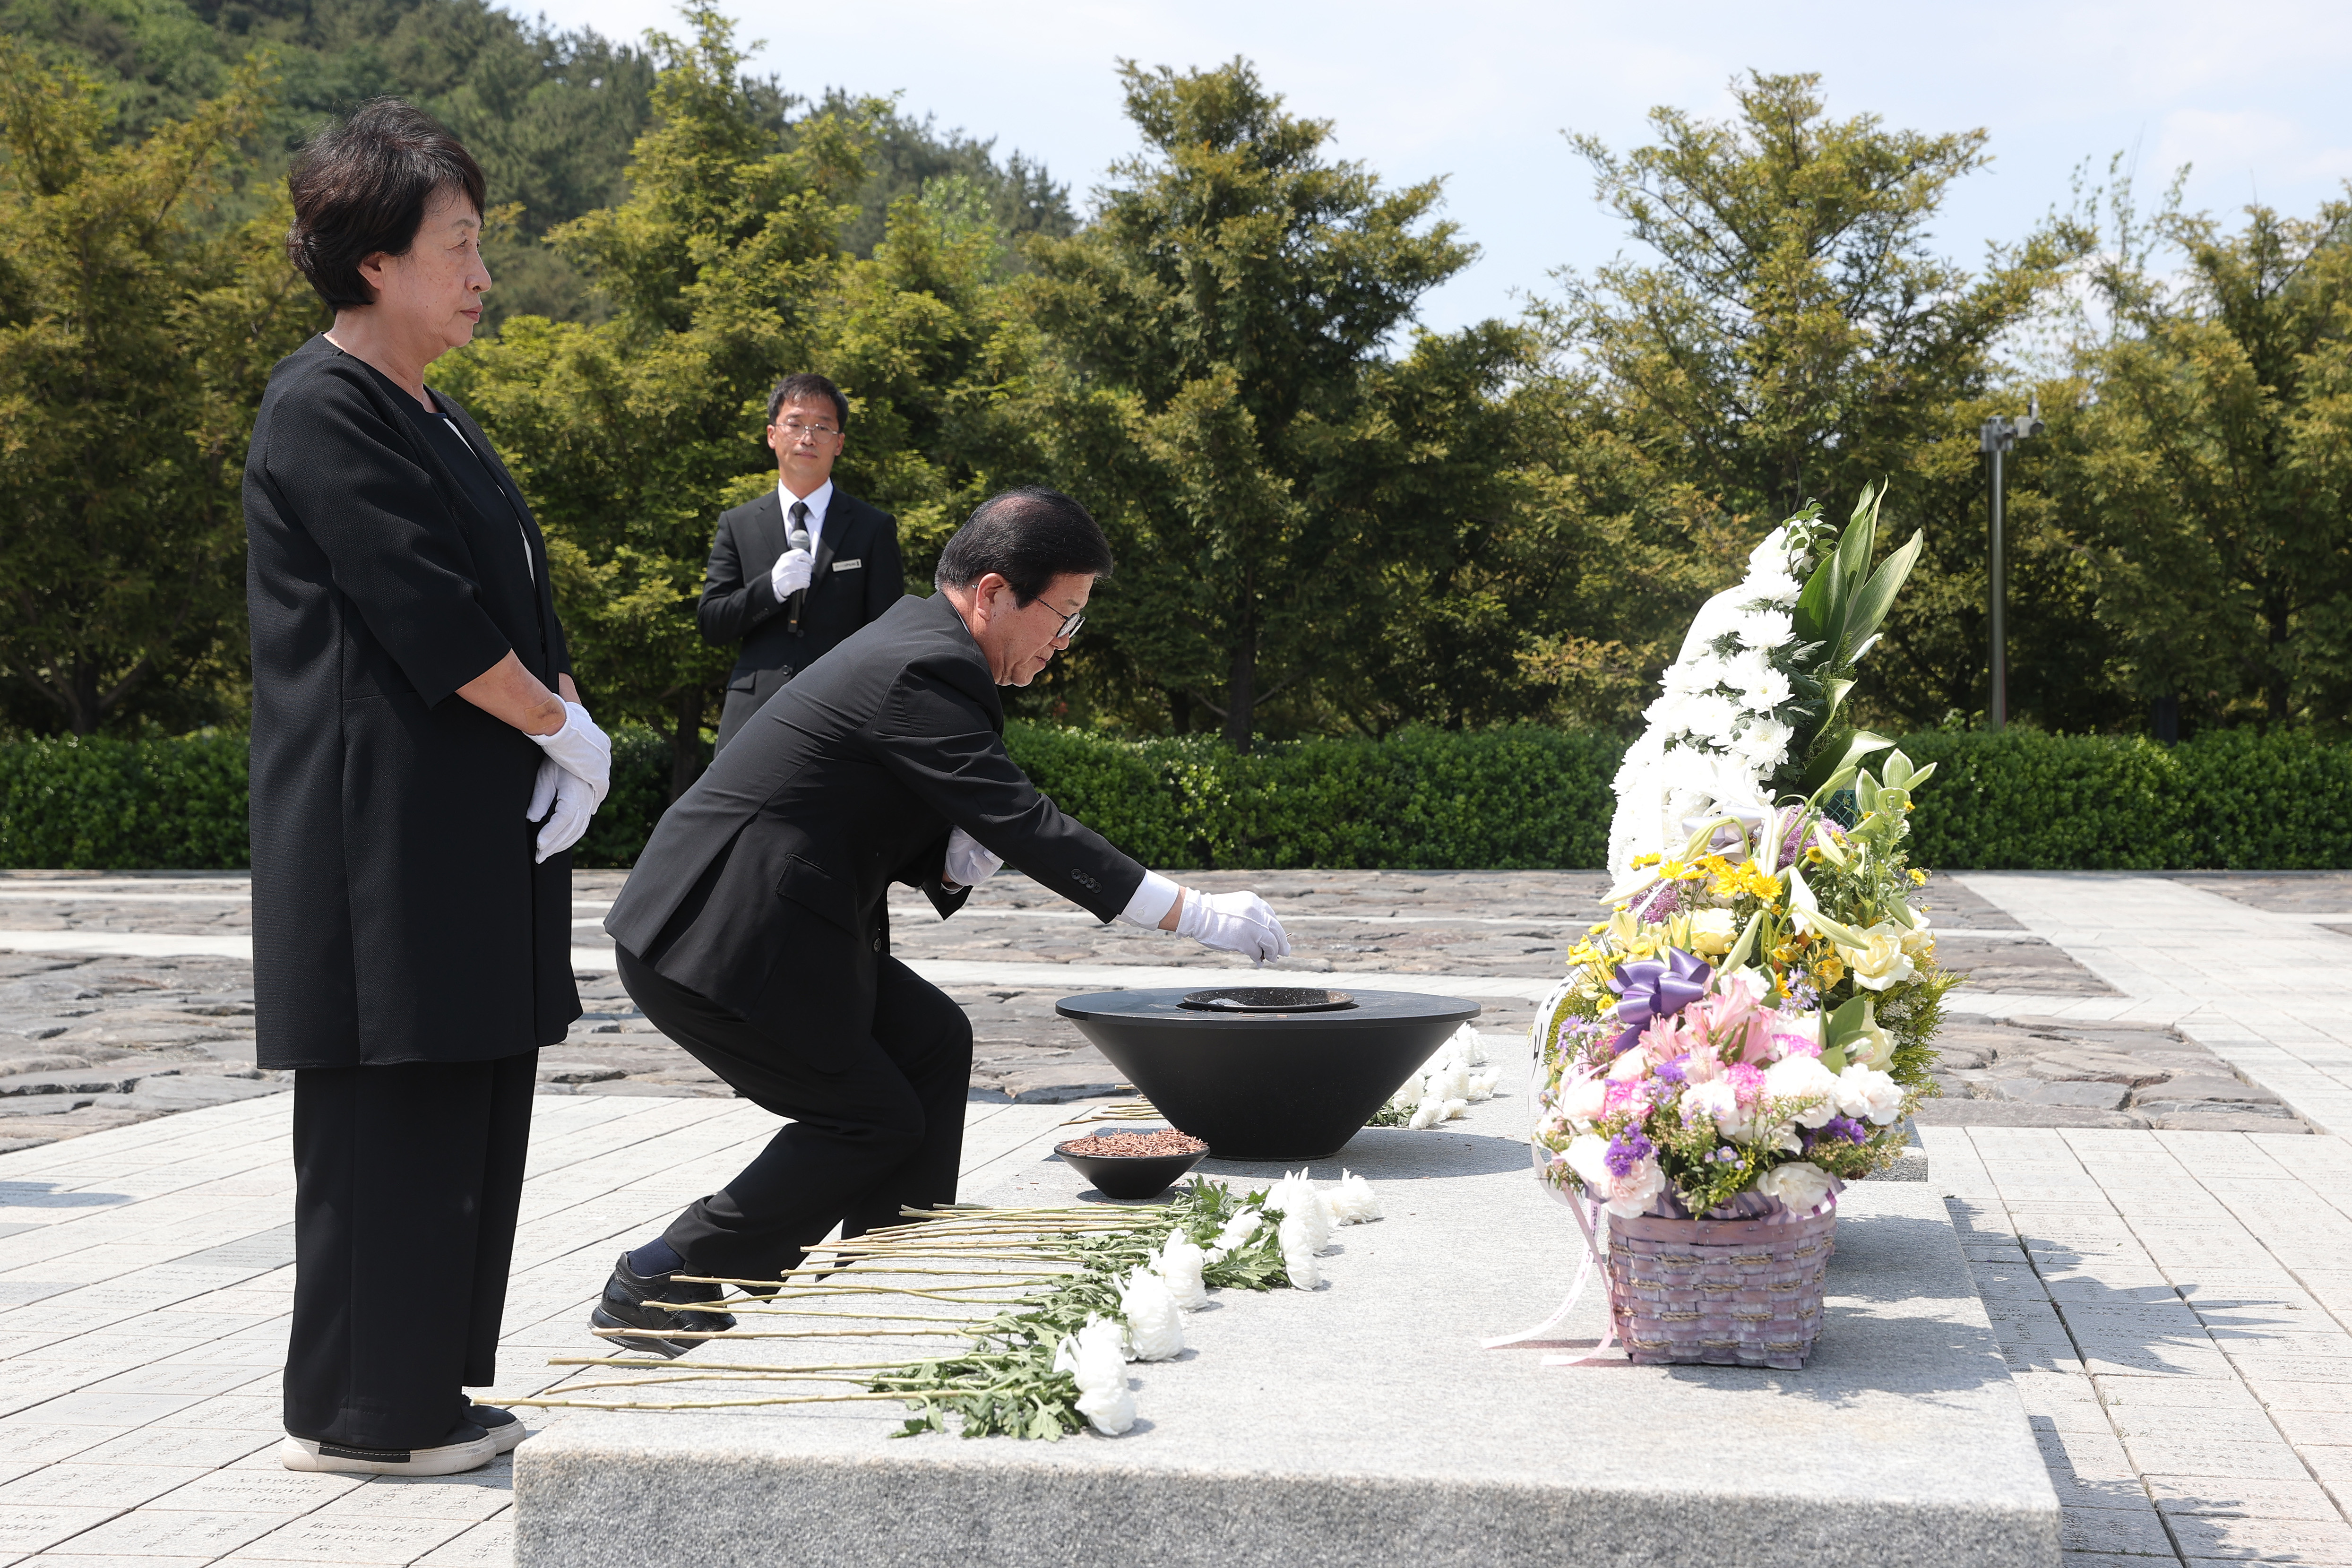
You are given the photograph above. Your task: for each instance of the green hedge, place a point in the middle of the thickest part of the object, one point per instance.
(106, 805)
(1421, 799)
(2232, 798)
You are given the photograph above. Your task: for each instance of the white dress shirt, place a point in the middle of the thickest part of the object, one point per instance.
(815, 500)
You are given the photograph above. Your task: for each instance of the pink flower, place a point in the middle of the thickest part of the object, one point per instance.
(1793, 1035)
(1747, 1082)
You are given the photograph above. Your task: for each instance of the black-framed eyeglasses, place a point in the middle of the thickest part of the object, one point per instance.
(1070, 625)
(795, 429)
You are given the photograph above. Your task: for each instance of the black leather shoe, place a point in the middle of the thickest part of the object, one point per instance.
(627, 1301)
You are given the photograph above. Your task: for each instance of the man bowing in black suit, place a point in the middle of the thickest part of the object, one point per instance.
(751, 932)
(790, 604)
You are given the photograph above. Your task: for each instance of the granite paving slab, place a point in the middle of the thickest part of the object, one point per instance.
(1362, 1424)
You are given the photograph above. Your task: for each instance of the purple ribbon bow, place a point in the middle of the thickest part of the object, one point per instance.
(1653, 988)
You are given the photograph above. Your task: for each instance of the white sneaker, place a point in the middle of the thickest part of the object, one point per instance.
(470, 1449)
(505, 1428)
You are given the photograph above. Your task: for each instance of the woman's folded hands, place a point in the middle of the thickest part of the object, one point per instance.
(574, 776)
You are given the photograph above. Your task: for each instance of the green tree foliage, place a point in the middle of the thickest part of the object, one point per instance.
(1283, 495)
(134, 347)
(1795, 338)
(2208, 469)
(550, 114)
(630, 435)
(958, 175)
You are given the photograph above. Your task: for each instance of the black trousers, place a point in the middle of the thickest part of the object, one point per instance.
(406, 1184)
(875, 1087)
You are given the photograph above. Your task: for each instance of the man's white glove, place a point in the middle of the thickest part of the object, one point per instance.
(791, 573)
(573, 801)
(581, 749)
(1237, 922)
(969, 862)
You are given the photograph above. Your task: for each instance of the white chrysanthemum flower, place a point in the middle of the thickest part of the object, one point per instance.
(1869, 1093)
(1352, 1201)
(1449, 1080)
(1454, 1107)
(1299, 1254)
(1765, 630)
(1428, 1113)
(1772, 554)
(1238, 1230)
(1155, 1328)
(1799, 1183)
(1777, 588)
(1178, 1264)
(1768, 691)
(1712, 715)
(1482, 1088)
(1763, 744)
(1096, 1358)
(1298, 1198)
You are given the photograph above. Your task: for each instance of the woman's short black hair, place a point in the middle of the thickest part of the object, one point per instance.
(1028, 537)
(360, 188)
(805, 387)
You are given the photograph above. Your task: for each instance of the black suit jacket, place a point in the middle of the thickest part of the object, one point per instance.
(398, 912)
(859, 574)
(847, 781)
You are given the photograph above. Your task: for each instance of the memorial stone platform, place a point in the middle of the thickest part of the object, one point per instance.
(1362, 1424)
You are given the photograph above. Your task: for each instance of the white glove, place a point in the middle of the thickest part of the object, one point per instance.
(581, 749)
(791, 573)
(573, 803)
(969, 862)
(1237, 922)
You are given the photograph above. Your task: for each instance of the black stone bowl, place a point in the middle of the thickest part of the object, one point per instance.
(1130, 1176)
(1268, 1085)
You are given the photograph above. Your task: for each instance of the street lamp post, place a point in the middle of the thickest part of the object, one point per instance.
(1997, 436)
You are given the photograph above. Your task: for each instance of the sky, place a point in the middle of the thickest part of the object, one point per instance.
(2252, 94)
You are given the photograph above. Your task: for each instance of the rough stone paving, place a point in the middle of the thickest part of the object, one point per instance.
(94, 1041)
(2175, 1299)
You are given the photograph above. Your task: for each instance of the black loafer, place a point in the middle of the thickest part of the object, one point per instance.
(630, 1302)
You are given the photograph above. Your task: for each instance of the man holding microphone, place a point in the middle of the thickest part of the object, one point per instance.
(794, 571)
(752, 930)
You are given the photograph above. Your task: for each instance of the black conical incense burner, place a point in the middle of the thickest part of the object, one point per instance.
(1267, 1072)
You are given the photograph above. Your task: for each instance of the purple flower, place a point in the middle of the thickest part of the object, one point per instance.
(1727, 1154)
(1671, 1072)
(1839, 1129)
(1627, 1150)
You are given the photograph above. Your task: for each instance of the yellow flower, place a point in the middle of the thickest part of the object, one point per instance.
(1918, 878)
(1829, 970)
(1711, 933)
(1641, 862)
(1882, 960)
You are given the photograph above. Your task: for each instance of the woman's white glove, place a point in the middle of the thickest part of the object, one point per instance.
(581, 749)
(1237, 922)
(565, 799)
(968, 861)
(791, 573)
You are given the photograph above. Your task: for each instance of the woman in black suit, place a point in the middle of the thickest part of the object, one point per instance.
(421, 763)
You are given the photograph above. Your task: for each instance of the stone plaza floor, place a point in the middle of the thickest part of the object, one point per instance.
(2167, 1258)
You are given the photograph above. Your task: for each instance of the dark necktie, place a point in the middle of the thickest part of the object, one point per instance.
(797, 538)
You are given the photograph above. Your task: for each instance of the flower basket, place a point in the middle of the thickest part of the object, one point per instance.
(1739, 1292)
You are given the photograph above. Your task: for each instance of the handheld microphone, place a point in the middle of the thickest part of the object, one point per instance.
(797, 539)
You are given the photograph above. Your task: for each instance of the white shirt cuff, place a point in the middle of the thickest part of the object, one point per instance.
(1152, 901)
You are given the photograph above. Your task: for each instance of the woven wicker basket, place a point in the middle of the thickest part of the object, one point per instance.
(1733, 1292)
